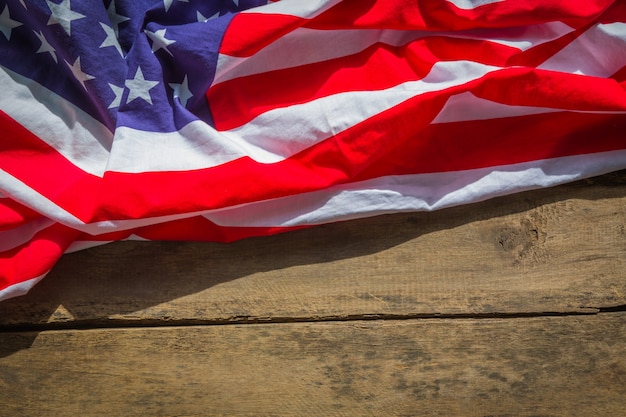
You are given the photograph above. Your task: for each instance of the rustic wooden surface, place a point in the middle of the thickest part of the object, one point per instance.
(449, 367)
(514, 306)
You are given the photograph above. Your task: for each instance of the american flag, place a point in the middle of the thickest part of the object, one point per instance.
(221, 119)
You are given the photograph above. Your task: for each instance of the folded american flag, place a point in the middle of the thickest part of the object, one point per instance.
(221, 119)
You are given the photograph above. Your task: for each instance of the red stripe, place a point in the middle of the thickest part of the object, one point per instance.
(203, 230)
(249, 32)
(197, 228)
(541, 88)
(42, 168)
(105, 237)
(620, 76)
(444, 15)
(615, 13)
(36, 257)
(13, 214)
(505, 141)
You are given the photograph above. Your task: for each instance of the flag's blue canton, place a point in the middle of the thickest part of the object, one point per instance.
(140, 63)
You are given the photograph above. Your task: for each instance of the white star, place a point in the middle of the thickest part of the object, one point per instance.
(7, 24)
(236, 2)
(159, 41)
(45, 46)
(118, 91)
(168, 3)
(182, 91)
(23, 4)
(139, 87)
(78, 72)
(201, 18)
(115, 18)
(111, 39)
(63, 15)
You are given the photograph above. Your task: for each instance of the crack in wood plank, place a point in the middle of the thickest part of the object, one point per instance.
(539, 366)
(146, 323)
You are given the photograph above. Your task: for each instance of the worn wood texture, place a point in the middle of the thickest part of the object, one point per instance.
(510, 307)
(547, 366)
(554, 250)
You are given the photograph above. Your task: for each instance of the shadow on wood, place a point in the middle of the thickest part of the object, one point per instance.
(93, 288)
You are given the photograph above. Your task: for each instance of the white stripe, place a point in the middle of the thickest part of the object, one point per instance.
(79, 245)
(277, 134)
(420, 192)
(520, 37)
(304, 9)
(17, 236)
(466, 106)
(73, 133)
(106, 226)
(599, 52)
(197, 145)
(471, 4)
(23, 193)
(301, 46)
(134, 237)
(18, 289)
(392, 194)
(281, 133)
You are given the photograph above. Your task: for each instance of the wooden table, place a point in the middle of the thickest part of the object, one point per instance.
(511, 307)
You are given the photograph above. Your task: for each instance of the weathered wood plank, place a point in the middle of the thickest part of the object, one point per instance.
(550, 366)
(558, 250)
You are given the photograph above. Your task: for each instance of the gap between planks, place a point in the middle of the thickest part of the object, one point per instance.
(125, 324)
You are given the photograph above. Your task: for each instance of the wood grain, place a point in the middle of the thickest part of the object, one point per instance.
(547, 366)
(151, 329)
(552, 250)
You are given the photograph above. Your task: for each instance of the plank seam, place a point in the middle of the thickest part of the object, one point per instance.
(243, 320)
